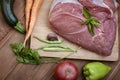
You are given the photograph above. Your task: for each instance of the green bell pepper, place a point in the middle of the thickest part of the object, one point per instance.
(95, 70)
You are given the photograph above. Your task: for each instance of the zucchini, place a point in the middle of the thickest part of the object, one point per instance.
(10, 17)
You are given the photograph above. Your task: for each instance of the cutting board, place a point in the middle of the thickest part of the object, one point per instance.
(42, 29)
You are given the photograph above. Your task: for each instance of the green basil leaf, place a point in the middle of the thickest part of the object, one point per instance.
(95, 21)
(36, 56)
(86, 13)
(25, 55)
(86, 21)
(30, 56)
(91, 22)
(91, 29)
(20, 59)
(17, 47)
(26, 61)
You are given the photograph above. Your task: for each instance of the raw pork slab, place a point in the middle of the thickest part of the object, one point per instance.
(66, 17)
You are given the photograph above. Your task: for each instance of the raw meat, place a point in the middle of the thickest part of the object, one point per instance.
(66, 17)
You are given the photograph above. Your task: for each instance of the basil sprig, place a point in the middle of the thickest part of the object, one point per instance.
(25, 55)
(90, 21)
(86, 13)
(31, 56)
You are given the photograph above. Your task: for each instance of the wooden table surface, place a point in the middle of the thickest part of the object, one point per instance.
(10, 69)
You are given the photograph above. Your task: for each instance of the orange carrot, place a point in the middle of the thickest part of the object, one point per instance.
(28, 8)
(34, 13)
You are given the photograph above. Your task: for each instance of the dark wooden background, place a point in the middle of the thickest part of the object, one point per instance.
(10, 69)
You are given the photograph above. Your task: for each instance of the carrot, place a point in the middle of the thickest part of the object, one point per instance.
(34, 13)
(28, 8)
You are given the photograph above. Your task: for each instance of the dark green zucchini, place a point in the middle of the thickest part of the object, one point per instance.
(8, 13)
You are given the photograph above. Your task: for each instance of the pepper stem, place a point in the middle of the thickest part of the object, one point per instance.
(20, 28)
(86, 73)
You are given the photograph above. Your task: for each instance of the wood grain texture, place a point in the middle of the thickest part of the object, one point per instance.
(11, 70)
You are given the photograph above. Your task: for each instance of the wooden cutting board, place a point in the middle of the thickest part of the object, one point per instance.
(42, 28)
